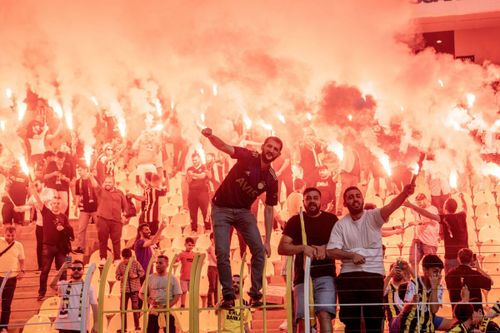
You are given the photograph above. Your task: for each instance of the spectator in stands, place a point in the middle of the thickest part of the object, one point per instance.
(399, 276)
(453, 230)
(317, 226)
(212, 273)
(250, 176)
(186, 258)
(133, 286)
(69, 317)
(58, 176)
(157, 296)
(106, 162)
(469, 274)
(463, 313)
(327, 186)
(486, 324)
(57, 237)
(296, 199)
(197, 177)
(86, 203)
(150, 207)
(283, 168)
(440, 191)
(16, 192)
(424, 296)
(11, 270)
(111, 209)
(426, 231)
(232, 318)
(356, 239)
(144, 243)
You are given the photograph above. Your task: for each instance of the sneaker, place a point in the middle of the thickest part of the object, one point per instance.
(255, 302)
(102, 262)
(79, 250)
(226, 304)
(284, 325)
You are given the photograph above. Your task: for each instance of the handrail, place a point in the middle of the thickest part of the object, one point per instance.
(169, 278)
(288, 295)
(194, 293)
(123, 313)
(264, 301)
(242, 271)
(100, 305)
(145, 305)
(307, 278)
(86, 286)
(6, 277)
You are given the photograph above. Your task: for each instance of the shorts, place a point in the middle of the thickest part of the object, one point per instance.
(184, 286)
(324, 293)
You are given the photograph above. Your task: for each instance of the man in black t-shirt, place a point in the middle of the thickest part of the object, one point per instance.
(58, 176)
(16, 189)
(469, 274)
(57, 234)
(318, 226)
(86, 201)
(248, 178)
(197, 179)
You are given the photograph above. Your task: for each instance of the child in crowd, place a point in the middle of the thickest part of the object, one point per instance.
(186, 259)
(212, 273)
(135, 273)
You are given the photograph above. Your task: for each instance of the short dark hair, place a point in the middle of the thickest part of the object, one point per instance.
(350, 188)
(48, 153)
(465, 255)
(60, 154)
(212, 235)
(162, 256)
(311, 189)
(463, 311)
(142, 226)
(451, 205)
(195, 154)
(275, 139)
(10, 229)
(78, 261)
(126, 253)
(189, 240)
(432, 261)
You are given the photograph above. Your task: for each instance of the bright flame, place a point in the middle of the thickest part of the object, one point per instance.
(122, 127)
(202, 118)
(415, 168)
(202, 91)
(441, 83)
(349, 117)
(383, 159)
(8, 93)
(158, 127)
(21, 110)
(68, 115)
(172, 104)
(215, 89)
(281, 118)
(337, 148)
(453, 179)
(471, 98)
(266, 126)
(199, 149)
(58, 110)
(87, 154)
(94, 100)
(309, 116)
(491, 169)
(247, 121)
(158, 107)
(24, 166)
(2, 125)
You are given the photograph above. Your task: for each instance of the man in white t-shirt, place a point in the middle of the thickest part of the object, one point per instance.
(70, 312)
(356, 240)
(426, 232)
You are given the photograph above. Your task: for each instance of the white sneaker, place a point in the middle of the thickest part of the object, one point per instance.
(284, 325)
(102, 262)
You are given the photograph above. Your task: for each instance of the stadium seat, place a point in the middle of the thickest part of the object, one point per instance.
(485, 220)
(181, 320)
(111, 303)
(178, 243)
(129, 231)
(169, 210)
(485, 210)
(38, 324)
(181, 219)
(483, 197)
(489, 246)
(203, 243)
(489, 231)
(176, 200)
(172, 231)
(208, 321)
(49, 307)
(491, 264)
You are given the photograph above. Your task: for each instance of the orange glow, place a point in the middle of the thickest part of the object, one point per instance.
(87, 154)
(21, 110)
(453, 179)
(337, 148)
(58, 110)
(24, 166)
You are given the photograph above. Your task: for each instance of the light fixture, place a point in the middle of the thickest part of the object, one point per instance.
(439, 41)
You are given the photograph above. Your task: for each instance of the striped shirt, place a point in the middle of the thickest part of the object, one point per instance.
(149, 207)
(421, 312)
(459, 328)
(136, 269)
(393, 300)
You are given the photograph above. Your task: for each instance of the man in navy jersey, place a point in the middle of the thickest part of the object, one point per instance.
(248, 178)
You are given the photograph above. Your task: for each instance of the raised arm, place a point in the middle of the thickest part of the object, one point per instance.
(55, 280)
(156, 238)
(395, 203)
(38, 201)
(422, 211)
(217, 142)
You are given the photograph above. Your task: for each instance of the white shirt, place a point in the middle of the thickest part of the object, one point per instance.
(9, 261)
(412, 289)
(428, 232)
(363, 237)
(71, 322)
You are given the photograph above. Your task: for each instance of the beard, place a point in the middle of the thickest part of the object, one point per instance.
(356, 210)
(312, 209)
(266, 159)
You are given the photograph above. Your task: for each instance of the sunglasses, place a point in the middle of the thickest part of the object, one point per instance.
(76, 269)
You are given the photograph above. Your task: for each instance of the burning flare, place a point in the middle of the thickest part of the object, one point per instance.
(453, 179)
(337, 148)
(87, 154)
(21, 110)
(24, 166)
(58, 110)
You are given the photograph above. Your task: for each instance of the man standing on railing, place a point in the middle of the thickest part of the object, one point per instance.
(69, 316)
(318, 225)
(249, 177)
(12, 263)
(356, 239)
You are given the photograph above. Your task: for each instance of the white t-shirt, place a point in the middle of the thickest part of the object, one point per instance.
(428, 232)
(9, 261)
(72, 322)
(412, 289)
(363, 237)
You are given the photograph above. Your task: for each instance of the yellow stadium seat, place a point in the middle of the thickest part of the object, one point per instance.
(38, 324)
(486, 210)
(172, 231)
(178, 242)
(203, 243)
(483, 197)
(181, 320)
(165, 242)
(169, 210)
(491, 264)
(49, 307)
(489, 246)
(176, 200)
(485, 220)
(129, 231)
(181, 219)
(208, 321)
(489, 231)
(111, 303)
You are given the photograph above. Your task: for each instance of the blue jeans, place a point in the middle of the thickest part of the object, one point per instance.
(245, 222)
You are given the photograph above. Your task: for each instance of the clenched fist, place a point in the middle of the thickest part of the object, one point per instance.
(207, 132)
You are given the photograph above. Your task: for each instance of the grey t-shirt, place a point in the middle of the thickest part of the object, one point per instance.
(158, 289)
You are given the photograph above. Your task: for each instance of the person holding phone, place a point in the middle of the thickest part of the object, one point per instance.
(469, 274)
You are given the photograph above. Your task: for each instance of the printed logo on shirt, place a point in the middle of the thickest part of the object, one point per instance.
(246, 187)
(261, 185)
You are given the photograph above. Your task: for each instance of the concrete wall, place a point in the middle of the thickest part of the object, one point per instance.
(483, 43)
